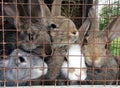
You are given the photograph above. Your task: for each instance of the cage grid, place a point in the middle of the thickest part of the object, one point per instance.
(59, 43)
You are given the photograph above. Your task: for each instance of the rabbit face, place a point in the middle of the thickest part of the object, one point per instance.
(31, 39)
(95, 51)
(24, 67)
(32, 31)
(65, 31)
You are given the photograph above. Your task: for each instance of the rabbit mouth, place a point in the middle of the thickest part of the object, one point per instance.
(36, 74)
(74, 39)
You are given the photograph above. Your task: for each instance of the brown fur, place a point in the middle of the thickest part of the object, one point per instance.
(97, 52)
(64, 34)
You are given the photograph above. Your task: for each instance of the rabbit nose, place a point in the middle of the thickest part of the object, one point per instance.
(74, 33)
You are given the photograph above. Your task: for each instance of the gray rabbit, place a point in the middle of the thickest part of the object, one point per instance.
(21, 67)
(32, 34)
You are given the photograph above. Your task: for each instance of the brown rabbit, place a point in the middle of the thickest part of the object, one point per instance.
(97, 41)
(62, 31)
(32, 33)
(97, 52)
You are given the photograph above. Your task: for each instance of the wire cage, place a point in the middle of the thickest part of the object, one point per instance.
(59, 43)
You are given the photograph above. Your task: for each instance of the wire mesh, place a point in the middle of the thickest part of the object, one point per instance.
(59, 42)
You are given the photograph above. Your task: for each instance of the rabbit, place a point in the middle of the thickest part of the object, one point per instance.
(75, 52)
(97, 41)
(97, 52)
(62, 31)
(21, 67)
(48, 22)
(32, 33)
(74, 68)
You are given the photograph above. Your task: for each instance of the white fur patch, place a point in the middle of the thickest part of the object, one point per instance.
(76, 60)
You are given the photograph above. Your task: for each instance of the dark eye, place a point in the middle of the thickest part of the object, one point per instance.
(85, 41)
(30, 36)
(53, 26)
(22, 59)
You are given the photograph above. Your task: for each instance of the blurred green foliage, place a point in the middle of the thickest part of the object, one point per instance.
(107, 15)
(115, 46)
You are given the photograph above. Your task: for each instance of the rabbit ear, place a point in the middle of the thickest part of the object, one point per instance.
(10, 10)
(45, 12)
(14, 12)
(34, 8)
(93, 18)
(83, 29)
(114, 28)
(56, 8)
(89, 25)
(23, 8)
(44, 9)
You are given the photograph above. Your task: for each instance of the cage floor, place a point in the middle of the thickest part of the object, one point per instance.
(76, 86)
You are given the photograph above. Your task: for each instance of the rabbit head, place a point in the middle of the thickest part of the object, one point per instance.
(32, 32)
(74, 68)
(23, 66)
(62, 29)
(65, 31)
(96, 50)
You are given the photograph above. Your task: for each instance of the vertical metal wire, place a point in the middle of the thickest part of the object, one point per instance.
(83, 6)
(3, 42)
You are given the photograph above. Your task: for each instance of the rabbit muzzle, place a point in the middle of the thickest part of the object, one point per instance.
(73, 36)
(99, 62)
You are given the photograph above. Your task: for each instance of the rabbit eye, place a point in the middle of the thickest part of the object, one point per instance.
(74, 33)
(22, 59)
(53, 26)
(106, 46)
(85, 41)
(30, 36)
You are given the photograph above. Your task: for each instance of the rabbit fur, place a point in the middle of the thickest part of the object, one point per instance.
(62, 31)
(33, 35)
(97, 52)
(21, 66)
(97, 42)
(108, 72)
(74, 68)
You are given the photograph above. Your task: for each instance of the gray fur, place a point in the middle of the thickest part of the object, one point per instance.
(16, 69)
(107, 74)
(30, 30)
